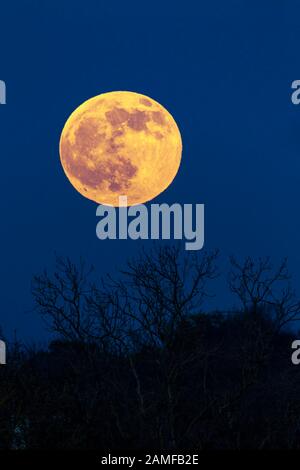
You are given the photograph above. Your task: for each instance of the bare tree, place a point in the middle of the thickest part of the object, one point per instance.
(160, 369)
(158, 293)
(140, 313)
(259, 286)
(160, 289)
(62, 299)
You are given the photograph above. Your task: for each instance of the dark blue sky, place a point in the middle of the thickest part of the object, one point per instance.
(223, 69)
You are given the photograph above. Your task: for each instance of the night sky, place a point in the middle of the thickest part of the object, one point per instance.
(224, 71)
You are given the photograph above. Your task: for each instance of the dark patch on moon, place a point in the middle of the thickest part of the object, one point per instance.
(117, 133)
(112, 147)
(88, 135)
(158, 117)
(121, 173)
(145, 102)
(115, 187)
(90, 177)
(137, 120)
(117, 172)
(158, 135)
(117, 116)
(65, 150)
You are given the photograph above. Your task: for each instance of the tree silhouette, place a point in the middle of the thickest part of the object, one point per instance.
(138, 362)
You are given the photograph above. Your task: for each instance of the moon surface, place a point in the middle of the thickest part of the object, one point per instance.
(120, 144)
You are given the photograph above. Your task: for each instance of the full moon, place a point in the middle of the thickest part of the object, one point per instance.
(120, 144)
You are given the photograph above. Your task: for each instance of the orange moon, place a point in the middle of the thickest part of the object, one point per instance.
(120, 144)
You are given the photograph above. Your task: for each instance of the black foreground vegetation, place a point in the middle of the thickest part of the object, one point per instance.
(138, 363)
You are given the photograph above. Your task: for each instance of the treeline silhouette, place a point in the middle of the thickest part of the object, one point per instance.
(138, 362)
